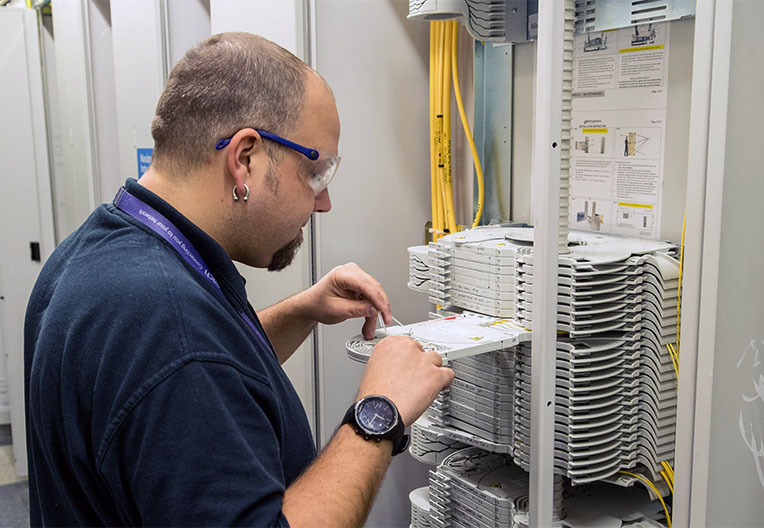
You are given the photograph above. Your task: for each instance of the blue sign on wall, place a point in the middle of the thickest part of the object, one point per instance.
(144, 159)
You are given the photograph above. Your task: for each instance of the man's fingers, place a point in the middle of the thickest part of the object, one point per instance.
(352, 279)
(447, 376)
(436, 358)
(343, 309)
(369, 326)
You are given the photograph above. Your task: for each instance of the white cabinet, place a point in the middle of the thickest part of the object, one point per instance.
(26, 215)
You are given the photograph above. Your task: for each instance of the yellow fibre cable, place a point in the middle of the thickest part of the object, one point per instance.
(676, 359)
(440, 118)
(467, 131)
(438, 221)
(669, 470)
(672, 354)
(432, 146)
(668, 474)
(679, 289)
(446, 144)
(673, 361)
(434, 189)
(436, 129)
(667, 480)
(652, 486)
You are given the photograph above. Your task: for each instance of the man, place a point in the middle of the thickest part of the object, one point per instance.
(155, 394)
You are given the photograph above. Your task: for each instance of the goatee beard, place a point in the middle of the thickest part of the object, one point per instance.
(284, 256)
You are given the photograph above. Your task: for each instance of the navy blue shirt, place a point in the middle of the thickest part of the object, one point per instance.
(149, 400)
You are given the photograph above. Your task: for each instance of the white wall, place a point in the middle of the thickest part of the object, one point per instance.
(188, 23)
(278, 20)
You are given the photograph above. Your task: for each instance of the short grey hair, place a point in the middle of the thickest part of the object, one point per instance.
(228, 82)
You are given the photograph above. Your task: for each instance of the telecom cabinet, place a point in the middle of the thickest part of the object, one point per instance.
(515, 68)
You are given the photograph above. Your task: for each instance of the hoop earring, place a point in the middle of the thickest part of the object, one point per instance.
(236, 197)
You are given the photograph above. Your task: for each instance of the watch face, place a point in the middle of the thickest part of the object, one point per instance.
(376, 415)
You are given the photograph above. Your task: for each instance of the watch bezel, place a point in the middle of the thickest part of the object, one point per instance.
(360, 404)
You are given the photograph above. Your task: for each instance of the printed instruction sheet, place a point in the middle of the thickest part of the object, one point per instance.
(618, 130)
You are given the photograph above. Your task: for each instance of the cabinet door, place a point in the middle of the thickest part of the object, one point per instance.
(26, 215)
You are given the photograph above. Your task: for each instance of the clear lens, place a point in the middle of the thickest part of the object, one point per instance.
(323, 173)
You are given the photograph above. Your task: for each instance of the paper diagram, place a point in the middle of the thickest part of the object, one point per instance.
(638, 143)
(644, 34)
(595, 41)
(587, 215)
(592, 142)
(641, 218)
(590, 145)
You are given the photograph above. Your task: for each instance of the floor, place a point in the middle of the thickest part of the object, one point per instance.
(14, 493)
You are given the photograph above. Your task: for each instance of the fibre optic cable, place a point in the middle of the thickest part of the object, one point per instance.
(448, 195)
(679, 290)
(437, 212)
(439, 125)
(440, 138)
(669, 473)
(468, 132)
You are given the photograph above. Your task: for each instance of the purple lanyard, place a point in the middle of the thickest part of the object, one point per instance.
(160, 225)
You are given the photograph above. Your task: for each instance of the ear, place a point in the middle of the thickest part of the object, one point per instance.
(244, 147)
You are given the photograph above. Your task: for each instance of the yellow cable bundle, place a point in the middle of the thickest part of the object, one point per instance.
(437, 203)
(674, 359)
(439, 118)
(444, 69)
(445, 145)
(668, 474)
(467, 131)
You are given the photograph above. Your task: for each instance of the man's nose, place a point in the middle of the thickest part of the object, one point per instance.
(323, 203)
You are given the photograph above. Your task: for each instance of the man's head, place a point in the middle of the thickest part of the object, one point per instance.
(242, 88)
(228, 82)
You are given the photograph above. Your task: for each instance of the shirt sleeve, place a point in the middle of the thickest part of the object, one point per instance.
(200, 448)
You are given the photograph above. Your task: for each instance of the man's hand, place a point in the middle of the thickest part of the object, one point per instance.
(345, 292)
(401, 370)
(338, 488)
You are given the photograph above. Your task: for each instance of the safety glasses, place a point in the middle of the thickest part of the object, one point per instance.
(324, 170)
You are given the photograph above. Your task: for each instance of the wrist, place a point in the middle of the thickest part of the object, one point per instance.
(303, 307)
(347, 434)
(376, 418)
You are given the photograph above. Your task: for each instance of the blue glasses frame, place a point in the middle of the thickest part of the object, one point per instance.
(310, 153)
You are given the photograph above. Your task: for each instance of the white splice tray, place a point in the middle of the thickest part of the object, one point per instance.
(452, 337)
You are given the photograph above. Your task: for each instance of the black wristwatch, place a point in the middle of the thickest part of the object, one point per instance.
(377, 418)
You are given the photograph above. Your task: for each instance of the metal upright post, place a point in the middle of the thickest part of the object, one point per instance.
(693, 260)
(545, 202)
